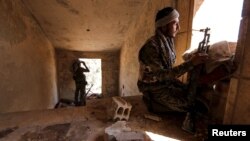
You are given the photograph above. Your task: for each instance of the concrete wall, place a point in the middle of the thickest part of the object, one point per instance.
(237, 106)
(110, 71)
(141, 31)
(27, 76)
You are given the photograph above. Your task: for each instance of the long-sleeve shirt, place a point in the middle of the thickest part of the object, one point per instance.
(157, 57)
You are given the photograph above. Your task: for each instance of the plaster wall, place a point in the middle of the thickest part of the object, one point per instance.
(237, 106)
(27, 76)
(110, 71)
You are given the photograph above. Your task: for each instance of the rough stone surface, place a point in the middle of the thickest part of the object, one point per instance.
(28, 74)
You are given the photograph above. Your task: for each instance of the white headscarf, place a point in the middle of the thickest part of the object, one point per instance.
(167, 19)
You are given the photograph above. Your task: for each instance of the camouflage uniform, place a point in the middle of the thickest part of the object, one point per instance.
(158, 77)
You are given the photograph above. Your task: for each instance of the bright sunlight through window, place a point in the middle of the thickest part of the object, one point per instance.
(222, 17)
(94, 76)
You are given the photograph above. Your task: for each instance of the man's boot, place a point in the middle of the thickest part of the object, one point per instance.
(189, 123)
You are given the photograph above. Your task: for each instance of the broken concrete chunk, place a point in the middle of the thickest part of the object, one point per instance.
(117, 127)
(120, 132)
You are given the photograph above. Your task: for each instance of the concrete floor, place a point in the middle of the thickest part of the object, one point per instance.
(88, 123)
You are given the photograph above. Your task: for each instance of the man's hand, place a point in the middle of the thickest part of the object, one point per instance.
(199, 58)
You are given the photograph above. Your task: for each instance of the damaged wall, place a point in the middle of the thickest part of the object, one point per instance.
(110, 71)
(28, 76)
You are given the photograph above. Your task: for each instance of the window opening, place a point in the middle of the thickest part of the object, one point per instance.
(93, 77)
(222, 17)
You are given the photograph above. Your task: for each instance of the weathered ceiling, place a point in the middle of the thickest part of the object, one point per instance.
(86, 25)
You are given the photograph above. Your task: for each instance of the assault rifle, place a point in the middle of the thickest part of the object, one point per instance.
(193, 76)
(203, 45)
